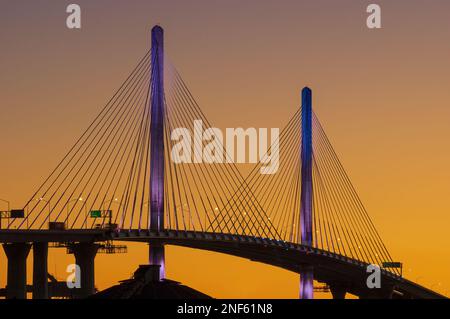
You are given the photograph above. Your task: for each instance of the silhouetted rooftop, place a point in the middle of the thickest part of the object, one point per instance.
(145, 284)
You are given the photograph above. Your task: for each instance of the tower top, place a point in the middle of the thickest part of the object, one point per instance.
(157, 29)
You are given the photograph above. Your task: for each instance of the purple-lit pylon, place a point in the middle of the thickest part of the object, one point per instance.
(306, 271)
(157, 145)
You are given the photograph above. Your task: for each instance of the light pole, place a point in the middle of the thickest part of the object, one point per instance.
(9, 209)
(42, 199)
(7, 203)
(114, 201)
(183, 210)
(80, 199)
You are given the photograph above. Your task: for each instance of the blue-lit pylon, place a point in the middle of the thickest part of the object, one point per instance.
(306, 272)
(157, 145)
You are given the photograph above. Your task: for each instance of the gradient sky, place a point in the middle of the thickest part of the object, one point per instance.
(382, 95)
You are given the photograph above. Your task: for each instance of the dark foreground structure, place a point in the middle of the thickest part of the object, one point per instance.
(146, 284)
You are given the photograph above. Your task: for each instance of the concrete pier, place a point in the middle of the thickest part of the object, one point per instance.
(84, 257)
(40, 270)
(377, 293)
(306, 282)
(338, 291)
(157, 258)
(17, 253)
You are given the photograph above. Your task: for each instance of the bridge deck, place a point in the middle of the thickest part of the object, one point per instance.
(329, 268)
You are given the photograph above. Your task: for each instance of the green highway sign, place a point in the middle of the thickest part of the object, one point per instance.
(96, 213)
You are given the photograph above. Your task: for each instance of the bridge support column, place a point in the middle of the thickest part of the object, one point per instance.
(84, 258)
(377, 293)
(306, 282)
(157, 258)
(157, 145)
(306, 275)
(17, 253)
(40, 270)
(338, 291)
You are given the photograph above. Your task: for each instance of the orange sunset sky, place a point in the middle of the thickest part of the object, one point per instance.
(383, 97)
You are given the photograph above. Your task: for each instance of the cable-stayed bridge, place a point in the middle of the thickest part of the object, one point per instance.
(119, 183)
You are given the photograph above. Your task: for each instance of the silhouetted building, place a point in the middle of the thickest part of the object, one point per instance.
(146, 284)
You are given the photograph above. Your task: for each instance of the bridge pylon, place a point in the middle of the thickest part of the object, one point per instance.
(156, 253)
(306, 196)
(17, 254)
